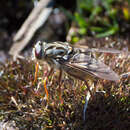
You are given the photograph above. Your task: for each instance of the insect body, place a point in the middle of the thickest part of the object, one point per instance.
(76, 61)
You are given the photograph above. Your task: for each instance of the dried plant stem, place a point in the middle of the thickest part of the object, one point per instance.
(35, 20)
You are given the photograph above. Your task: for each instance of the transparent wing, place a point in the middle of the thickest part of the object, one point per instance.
(86, 64)
(103, 50)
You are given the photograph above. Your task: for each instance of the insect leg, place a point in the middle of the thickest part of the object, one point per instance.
(36, 72)
(51, 71)
(59, 82)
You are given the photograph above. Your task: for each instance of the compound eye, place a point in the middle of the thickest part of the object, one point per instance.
(38, 50)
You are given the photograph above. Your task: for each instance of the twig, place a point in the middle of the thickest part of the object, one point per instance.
(35, 20)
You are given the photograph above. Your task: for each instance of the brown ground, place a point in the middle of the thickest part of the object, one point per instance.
(25, 103)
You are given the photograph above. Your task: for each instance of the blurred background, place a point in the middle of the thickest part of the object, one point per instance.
(75, 21)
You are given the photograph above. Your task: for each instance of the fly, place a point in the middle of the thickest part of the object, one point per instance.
(77, 61)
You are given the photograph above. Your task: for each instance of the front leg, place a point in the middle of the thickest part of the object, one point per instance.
(36, 72)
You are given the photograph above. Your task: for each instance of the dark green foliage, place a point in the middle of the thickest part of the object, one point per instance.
(101, 18)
